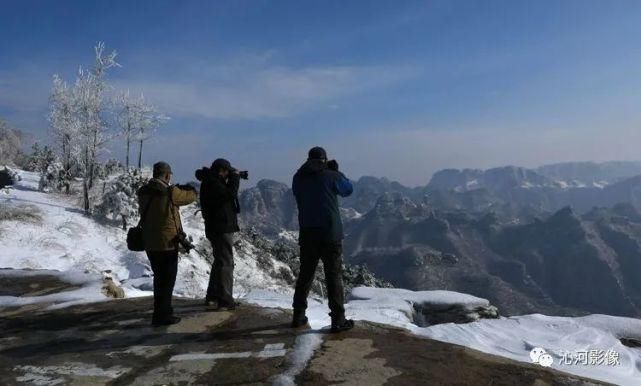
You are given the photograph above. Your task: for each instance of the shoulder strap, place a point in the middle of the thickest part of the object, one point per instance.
(170, 202)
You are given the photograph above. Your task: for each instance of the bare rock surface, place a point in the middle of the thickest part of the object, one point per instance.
(12, 285)
(112, 343)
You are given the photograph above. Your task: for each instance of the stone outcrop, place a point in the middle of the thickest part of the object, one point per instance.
(428, 314)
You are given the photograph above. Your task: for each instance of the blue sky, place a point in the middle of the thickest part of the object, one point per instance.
(390, 88)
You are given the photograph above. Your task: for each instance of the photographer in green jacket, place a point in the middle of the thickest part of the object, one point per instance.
(162, 234)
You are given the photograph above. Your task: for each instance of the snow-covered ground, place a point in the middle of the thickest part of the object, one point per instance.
(82, 249)
(68, 241)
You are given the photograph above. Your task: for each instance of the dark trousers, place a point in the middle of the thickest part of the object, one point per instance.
(312, 249)
(221, 278)
(164, 264)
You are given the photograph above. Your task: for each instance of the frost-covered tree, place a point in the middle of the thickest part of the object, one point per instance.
(43, 161)
(148, 120)
(10, 143)
(64, 128)
(89, 107)
(113, 166)
(126, 118)
(137, 120)
(119, 199)
(52, 178)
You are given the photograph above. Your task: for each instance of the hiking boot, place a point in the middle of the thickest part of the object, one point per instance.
(299, 320)
(226, 306)
(342, 325)
(212, 303)
(165, 321)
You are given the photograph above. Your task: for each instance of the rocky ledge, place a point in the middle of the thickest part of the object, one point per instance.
(111, 342)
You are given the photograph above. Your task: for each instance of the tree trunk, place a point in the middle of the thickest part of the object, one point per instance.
(66, 160)
(64, 153)
(85, 195)
(127, 158)
(93, 159)
(91, 168)
(85, 182)
(140, 156)
(128, 144)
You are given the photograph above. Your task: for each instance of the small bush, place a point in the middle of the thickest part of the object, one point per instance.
(21, 213)
(119, 199)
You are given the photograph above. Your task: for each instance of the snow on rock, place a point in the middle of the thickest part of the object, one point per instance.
(89, 291)
(566, 339)
(513, 337)
(54, 375)
(423, 307)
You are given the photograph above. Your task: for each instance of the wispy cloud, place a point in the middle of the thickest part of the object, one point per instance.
(267, 91)
(243, 87)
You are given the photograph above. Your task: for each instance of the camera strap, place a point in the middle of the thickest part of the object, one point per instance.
(170, 202)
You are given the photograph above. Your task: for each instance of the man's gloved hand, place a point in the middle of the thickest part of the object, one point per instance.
(243, 174)
(185, 187)
(332, 165)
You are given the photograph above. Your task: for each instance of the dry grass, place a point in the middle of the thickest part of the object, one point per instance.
(21, 213)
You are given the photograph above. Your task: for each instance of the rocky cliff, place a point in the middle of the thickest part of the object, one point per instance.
(565, 263)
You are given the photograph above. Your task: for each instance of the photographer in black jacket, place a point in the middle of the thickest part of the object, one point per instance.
(220, 208)
(316, 186)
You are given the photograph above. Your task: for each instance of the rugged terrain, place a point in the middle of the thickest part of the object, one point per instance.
(562, 264)
(591, 257)
(562, 239)
(111, 342)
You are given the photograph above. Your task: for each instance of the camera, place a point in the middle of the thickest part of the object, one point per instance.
(244, 174)
(185, 241)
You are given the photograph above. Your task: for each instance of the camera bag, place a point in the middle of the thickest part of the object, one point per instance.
(135, 241)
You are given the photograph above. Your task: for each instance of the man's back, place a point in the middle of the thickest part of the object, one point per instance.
(157, 203)
(219, 202)
(316, 188)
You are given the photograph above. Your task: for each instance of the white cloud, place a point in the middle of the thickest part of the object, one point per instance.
(243, 87)
(247, 92)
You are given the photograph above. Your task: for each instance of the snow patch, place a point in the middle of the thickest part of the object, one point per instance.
(512, 337)
(67, 240)
(46, 375)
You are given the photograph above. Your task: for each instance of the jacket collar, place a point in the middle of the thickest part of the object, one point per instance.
(312, 166)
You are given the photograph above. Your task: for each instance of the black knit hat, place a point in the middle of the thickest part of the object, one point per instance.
(160, 168)
(221, 164)
(317, 153)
